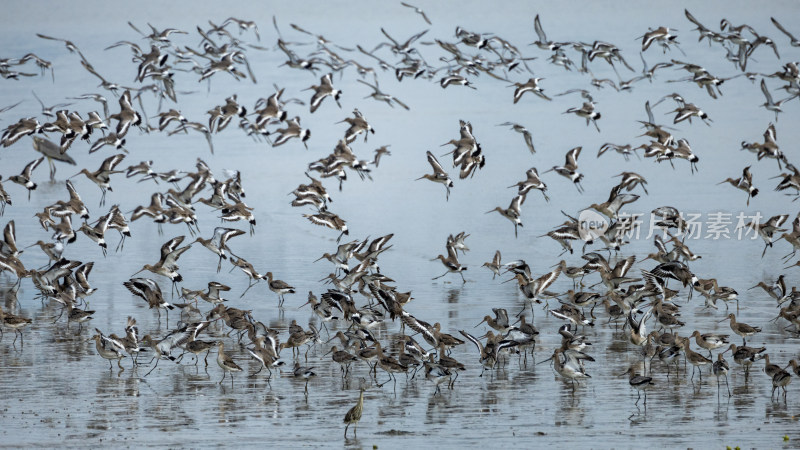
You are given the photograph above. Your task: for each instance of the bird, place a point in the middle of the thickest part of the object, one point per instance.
(418, 11)
(744, 183)
(353, 415)
(640, 383)
(794, 42)
(494, 265)
(771, 105)
(532, 85)
(513, 211)
(226, 363)
(167, 265)
(24, 178)
(324, 89)
(439, 175)
(451, 263)
(570, 168)
(587, 111)
(150, 292)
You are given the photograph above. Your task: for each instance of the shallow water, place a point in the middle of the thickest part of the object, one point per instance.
(57, 391)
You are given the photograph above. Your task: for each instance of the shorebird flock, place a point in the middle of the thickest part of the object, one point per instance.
(359, 308)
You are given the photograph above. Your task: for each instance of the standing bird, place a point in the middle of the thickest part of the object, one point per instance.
(354, 414)
(439, 175)
(742, 329)
(226, 363)
(640, 383)
(279, 287)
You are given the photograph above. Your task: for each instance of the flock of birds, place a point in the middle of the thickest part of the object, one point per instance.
(357, 309)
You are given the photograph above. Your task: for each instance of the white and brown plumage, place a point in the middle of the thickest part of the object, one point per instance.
(97, 233)
(439, 175)
(742, 329)
(218, 243)
(630, 180)
(324, 89)
(292, 130)
(640, 383)
(661, 35)
(568, 368)
(24, 127)
(167, 266)
(102, 176)
(108, 348)
(532, 85)
(531, 182)
(451, 263)
(226, 363)
(533, 289)
(16, 323)
(127, 116)
(24, 178)
(239, 211)
(743, 183)
(358, 124)
(513, 212)
(494, 265)
(587, 111)
(330, 220)
(710, 341)
(570, 168)
(279, 287)
(150, 292)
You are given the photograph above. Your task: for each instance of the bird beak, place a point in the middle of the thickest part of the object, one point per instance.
(479, 323)
(140, 271)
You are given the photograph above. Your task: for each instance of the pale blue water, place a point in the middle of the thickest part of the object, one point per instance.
(58, 391)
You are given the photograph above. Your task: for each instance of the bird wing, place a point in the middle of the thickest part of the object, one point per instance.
(171, 245)
(539, 31)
